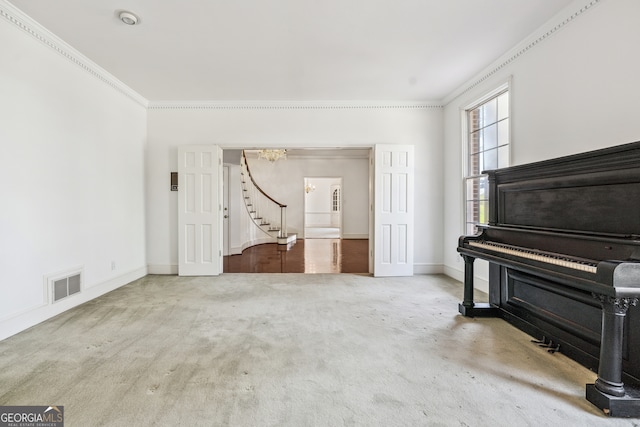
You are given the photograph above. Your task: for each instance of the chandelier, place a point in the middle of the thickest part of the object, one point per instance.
(272, 155)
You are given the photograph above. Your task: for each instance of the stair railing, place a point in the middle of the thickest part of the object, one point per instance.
(267, 213)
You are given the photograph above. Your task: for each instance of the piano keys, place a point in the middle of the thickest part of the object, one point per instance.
(563, 245)
(566, 261)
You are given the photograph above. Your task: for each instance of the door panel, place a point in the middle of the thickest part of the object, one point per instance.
(393, 210)
(199, 234)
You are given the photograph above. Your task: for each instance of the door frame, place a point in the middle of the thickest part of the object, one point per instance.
(373, 208)
(226, 218)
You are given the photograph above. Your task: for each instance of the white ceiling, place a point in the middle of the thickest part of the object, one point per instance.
(293, 50)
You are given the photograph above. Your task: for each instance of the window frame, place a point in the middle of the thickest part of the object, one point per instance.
(335, 199)
(505, 87)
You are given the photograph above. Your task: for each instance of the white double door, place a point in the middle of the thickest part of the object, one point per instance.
(200, 217)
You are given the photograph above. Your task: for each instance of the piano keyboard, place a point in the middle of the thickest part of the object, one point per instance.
(549, 258)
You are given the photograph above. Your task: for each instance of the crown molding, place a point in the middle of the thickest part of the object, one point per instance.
(16, 17)
(554, 25)
(25, 23)
(291, 105)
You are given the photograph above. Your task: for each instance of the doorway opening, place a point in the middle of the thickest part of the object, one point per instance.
(322, 208)
(388, 170)
(308, 183)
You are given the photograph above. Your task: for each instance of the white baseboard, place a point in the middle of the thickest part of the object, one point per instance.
(24, 320)
(171, 269)
(428, 268)
(258, 241)
(478, 282)
(236, 250)
(355, 236)
(454, 273)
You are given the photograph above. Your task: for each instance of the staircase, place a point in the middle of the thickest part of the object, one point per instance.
(266, 213)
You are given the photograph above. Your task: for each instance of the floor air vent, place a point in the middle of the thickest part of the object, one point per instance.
(64, 285)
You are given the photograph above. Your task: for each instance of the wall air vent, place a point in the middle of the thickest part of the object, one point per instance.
(65, 284)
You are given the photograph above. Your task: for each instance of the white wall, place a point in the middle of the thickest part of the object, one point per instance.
(318, 203)
(73, 187)
(284, 180)
(574, 91)
(291, 126)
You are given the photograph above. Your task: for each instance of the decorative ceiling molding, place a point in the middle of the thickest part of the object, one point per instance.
(16, 17)
(522, 48)
(291, 105)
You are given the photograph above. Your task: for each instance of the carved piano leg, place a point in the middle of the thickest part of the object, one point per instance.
(469, 308)
(609, 393)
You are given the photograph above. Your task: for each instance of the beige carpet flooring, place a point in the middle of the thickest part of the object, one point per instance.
(291, 350)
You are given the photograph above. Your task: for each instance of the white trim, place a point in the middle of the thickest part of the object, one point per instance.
(171, 269)
(15, 314)
(258, 241)
(506, 87)
(464, 127)
(424, 268)
(566, 16)
(235, 250)
(354, 236)
(479, 283)
(291, 105)
(49, 280)
(25, 23)
(18, 322)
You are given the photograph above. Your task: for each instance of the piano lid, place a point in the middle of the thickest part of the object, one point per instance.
(596, 193)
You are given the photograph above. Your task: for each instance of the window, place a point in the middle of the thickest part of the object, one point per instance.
(487, 142)
(335, 200)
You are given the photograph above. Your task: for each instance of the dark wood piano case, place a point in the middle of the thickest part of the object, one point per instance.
(562, 316)
(563, 242)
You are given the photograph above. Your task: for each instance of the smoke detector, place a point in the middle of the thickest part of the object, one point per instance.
(128, 18)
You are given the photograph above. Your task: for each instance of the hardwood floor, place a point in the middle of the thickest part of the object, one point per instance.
(306, 256)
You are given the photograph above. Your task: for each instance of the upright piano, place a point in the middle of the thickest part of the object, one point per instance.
(563, 245)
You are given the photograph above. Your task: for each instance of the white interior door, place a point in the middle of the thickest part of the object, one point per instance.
(393, 210)
(199, 210)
